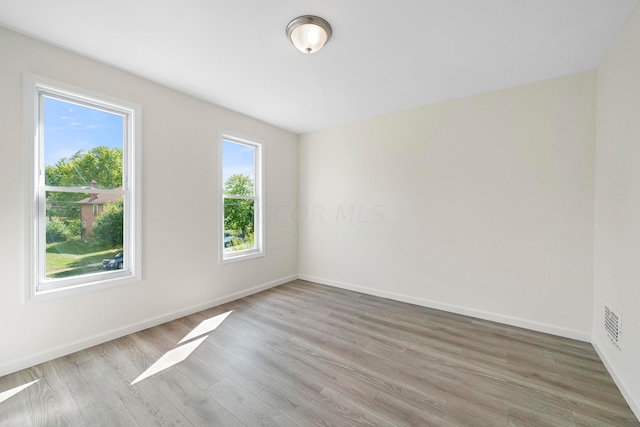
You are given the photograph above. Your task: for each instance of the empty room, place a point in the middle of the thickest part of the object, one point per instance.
(296, 213)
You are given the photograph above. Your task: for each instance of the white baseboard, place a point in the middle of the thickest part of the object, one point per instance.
(507, 320)
(633, 404)
(84, 343)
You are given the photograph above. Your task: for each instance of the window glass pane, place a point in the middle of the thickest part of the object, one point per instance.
(77, 242)
(238, 169)
(239, 224)
(82, 145)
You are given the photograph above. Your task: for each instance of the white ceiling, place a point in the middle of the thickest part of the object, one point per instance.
(385, 56)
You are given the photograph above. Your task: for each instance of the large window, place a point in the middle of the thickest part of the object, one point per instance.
(85, 188)
(241, 198)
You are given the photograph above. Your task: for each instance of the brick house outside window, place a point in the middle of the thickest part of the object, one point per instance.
(92, 208)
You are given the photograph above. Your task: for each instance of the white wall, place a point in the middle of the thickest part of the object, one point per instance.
(179, 202)
(617, 208)
(481, 206)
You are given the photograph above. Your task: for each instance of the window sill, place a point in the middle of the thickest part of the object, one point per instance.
(89, 286)
(241, 256)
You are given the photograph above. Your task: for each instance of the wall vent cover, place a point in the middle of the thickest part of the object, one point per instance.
(612, 324)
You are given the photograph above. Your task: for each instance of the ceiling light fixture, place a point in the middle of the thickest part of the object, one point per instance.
(309, 33)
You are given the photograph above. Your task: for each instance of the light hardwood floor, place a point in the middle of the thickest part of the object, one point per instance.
(305, 354)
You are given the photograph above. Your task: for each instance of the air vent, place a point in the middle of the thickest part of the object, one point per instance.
(612, 324)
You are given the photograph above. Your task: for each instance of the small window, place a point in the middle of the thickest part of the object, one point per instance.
(84, 157)
(241, 198)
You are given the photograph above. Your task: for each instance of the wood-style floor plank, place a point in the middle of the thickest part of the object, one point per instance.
(303, 354)
(14, 410)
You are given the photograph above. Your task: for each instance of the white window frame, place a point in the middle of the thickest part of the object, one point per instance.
(38, 287)
(258, 200)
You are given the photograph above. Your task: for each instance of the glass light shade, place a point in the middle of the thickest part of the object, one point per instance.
(309, 33)
(309, 38)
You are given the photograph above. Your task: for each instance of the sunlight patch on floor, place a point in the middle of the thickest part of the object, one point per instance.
(170, 358)
(12, 392)
(206, 326)
(178, 355)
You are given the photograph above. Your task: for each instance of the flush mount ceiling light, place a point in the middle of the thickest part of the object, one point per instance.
(309, 33)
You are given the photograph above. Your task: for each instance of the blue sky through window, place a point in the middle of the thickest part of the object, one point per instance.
(237, 159)
(69, 128)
